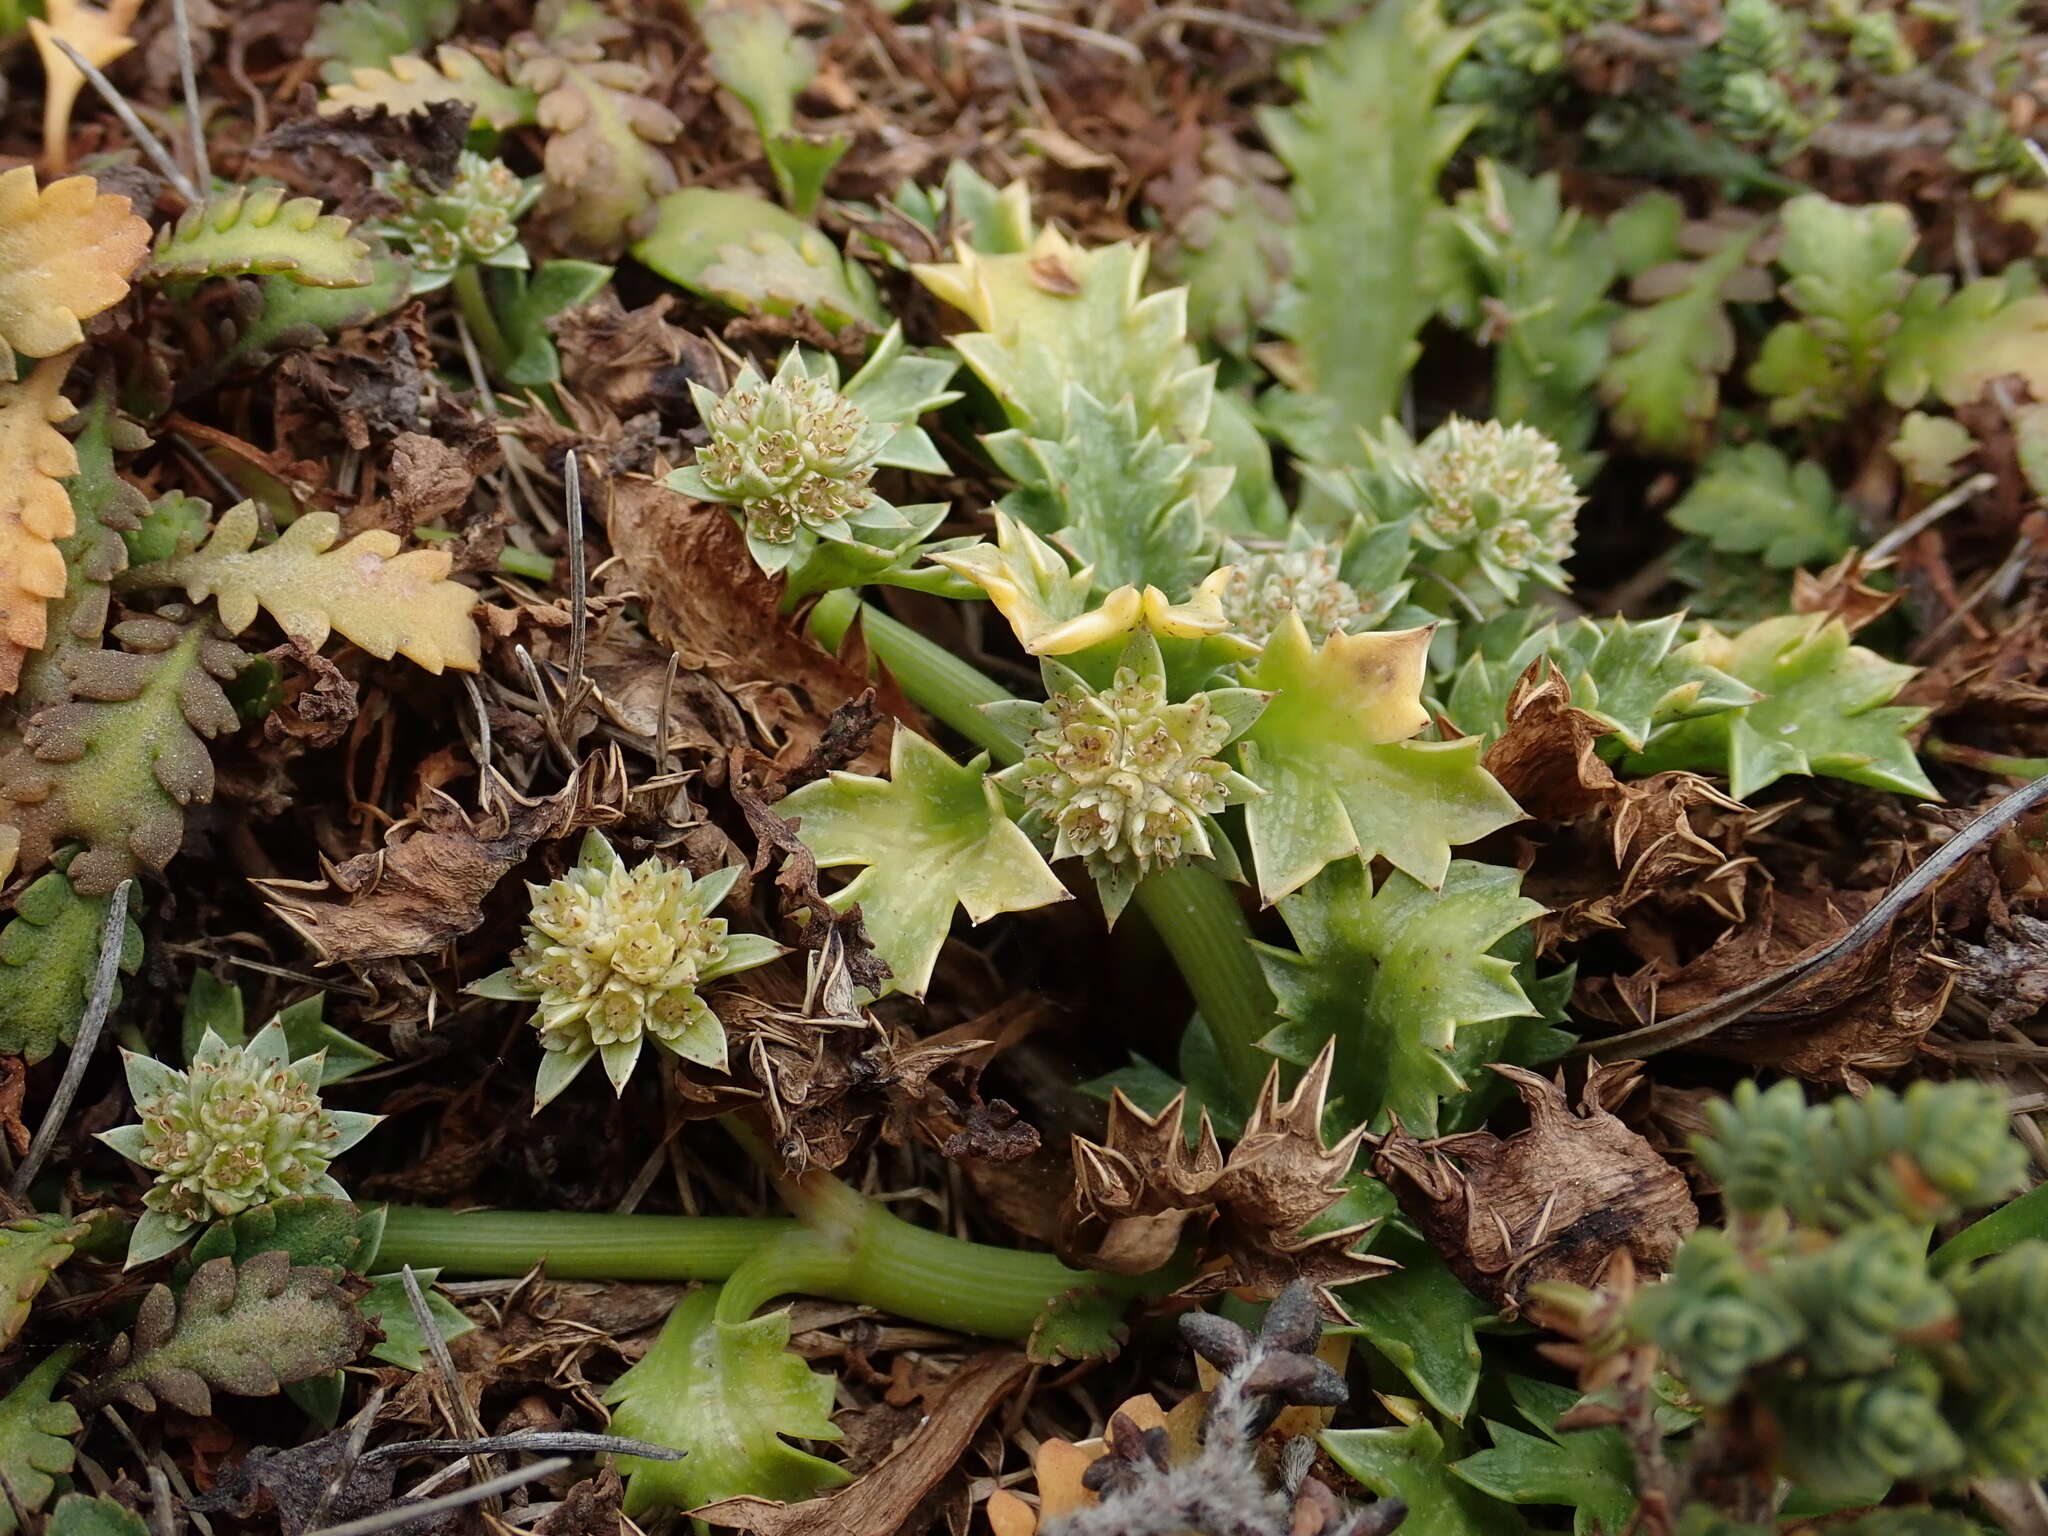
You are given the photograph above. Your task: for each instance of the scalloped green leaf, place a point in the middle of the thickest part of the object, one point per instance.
(408, 83)
(368, 34)
(306, 1229)
(1633, 677)
(30, 1252)
(1393, 976)
(1083, 1324)
(279, 314)
(1340, 774)
(934, 835)
(1846, 276)
(35, 1436)
(1753, 500)
(79, 1514)
(244, 232)
(48, 956)
(1825, 710)
(1955, 344)
(730, 1397)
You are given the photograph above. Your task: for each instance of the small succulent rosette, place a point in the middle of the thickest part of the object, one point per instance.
(614, 957)
(473, 220)
(1126, 778)
(241, 1127)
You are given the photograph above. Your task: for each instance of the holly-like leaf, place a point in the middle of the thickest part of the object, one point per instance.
(246, 1330)
(1846, 276)
(387, 1307)
(65, 254)
(603, 161)
(1632, 677)
(746, 252)
(244, 231)
(1391, 976)
(1753, 500)
(1955, 344)
(1825, 710)
(35, 1437)
(1331, 751)
(730, 1397)
(1367, 143)
(35, 513)
(104, 507)
(1409, 1462)
(933, 835)
(1663, 384)
(1421, 1317)
(30, 1252)
(48, 956)
(1589, 1471)
(386, 602)
(116, 764)
(409, 83)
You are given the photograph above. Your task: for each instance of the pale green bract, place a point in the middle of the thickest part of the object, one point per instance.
(242, 1127)
(615, 956)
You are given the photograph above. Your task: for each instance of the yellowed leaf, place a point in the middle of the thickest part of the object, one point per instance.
(387, 602)
(35, 512)
(100, 34)
(65, 255)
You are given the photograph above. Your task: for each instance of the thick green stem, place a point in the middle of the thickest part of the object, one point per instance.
(484, 330)
(1204, 928)
(1984, 762)
(1195, 911)
(575, 1245)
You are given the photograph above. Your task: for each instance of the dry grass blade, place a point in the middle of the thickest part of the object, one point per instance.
(89, 1027)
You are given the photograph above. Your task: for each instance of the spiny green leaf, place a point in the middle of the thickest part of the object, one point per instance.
(1421, 1318)
(48, 956)
(726, 1395)
(240, 232)
(30, 1252)
(77, 1514)
(1847, 277)
(387, 1308)
(244, 1330)
(35, 1436)
(1392, 976)
(933, 835)
(1409, 1462)
(1823, 711)
(1366, 142)
(1753, 500)
(1589, 1471)
(1339, 774)
(1626, 674)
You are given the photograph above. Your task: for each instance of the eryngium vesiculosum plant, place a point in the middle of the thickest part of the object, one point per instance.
(242, 1127)
(614, 957)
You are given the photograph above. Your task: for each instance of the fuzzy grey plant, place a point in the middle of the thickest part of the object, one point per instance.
(1141, 1491)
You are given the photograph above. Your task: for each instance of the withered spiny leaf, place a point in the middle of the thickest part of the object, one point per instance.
(115, 765)
(246, 1330)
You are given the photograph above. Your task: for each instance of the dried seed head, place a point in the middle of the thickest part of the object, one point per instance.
(790, 452)
(474, 218)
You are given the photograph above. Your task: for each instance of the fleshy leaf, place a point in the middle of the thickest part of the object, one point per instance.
(1392, 976)
(1824, 710)
(246, 1330)
(65, 254)
(306, 1229)
(411, 84)
(34, 511)
(30, 1251)
(1753, 500)
(1339, 774)
(386, 602)
(934, 835)
(35, 1436)
(48, 955)
(117, 763)
(726, 1395)
(1367, 143)
(243, 232)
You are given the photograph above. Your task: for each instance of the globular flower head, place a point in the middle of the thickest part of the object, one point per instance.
(791, 452)
(1267, 585)
(242, 1127)
(614, 957)
(475, 218)
(1126, 778)
(1501, 491)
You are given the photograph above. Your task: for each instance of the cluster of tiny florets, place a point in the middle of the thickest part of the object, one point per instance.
(613, 955)
(474, 218)
(1265, 587)
(1126, 777)
(790, 452)
(1504, 488)
(237, 1130)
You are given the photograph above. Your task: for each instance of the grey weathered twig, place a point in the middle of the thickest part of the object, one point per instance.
(149, 143)
(426, 1509)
